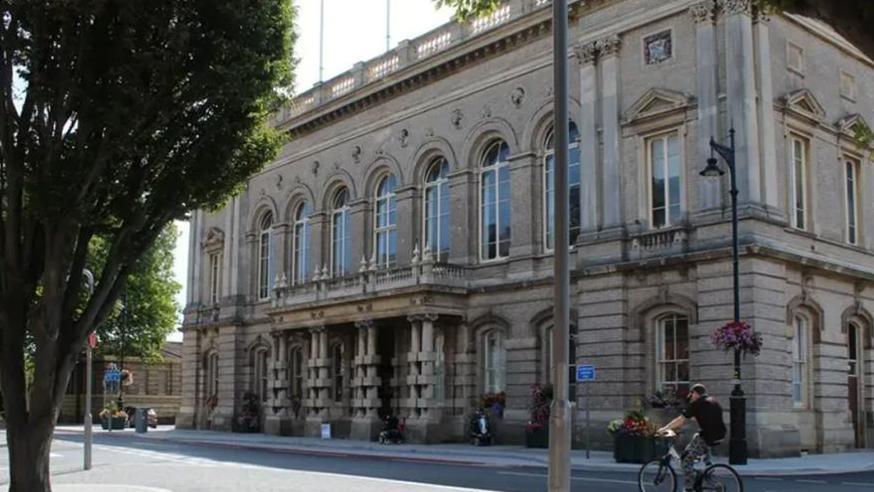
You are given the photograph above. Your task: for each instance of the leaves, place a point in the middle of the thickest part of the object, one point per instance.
(468, 9)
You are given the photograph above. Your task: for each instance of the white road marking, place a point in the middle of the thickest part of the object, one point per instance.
(582, 479)
(858, 484)
(772, 479)
(810, 481)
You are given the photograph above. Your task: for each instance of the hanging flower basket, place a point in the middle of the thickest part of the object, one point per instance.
(737, 335)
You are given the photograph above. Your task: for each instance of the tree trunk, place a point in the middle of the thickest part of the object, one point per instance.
(29, 447)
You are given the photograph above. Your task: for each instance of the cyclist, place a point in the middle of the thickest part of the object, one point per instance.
(708, 413)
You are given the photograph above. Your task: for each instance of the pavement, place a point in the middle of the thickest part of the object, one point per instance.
(462, 454)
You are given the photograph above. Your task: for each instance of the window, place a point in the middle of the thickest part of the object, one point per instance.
(852, 203)
(799, 182)
(301, 253)
(848, 86)
(799, 361)
(259, 373)
(337, 370)
(264, 256)
(295, 372)
(495, 202)
(574, 185)
(341, 253)
(212, 374)
(795, 58)
(493, 363)
(672, 345)
(385, 230)
(214, 279)
(663, 155)
(436, 209)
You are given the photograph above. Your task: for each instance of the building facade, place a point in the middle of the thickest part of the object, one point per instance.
(396, 256)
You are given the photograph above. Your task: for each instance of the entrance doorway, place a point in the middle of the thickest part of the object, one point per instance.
(855, 382)
(385, 340)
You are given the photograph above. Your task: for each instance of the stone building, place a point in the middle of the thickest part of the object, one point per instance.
(156, 384)
(396, 256)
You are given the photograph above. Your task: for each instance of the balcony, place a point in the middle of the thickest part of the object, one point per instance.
(423, 272)
(660, 242)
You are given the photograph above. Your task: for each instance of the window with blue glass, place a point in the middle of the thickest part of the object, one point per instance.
(385, 224)
(436, 208)
(301, 241)
(495, 202)
(341, 252)
(574, 187)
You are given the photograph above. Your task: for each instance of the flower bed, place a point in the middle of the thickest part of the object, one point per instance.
(634, 438)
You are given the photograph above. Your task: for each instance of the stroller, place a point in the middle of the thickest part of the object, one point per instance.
(392, 431)
(480, 429)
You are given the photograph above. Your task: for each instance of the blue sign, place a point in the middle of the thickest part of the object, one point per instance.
(585, 373)
(112, 375)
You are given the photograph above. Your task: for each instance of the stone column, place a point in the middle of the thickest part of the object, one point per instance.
(229, 371)
(319, 381)
(407, 230)
(611, 171)
(427, 359)
(586, 56)
(463, 239)
(709, 196)
(766, 122)
(278, 421)
(741, 91)
(197, 257)
(427, 408)
(413, 370)
(192, 399)
(366, 425)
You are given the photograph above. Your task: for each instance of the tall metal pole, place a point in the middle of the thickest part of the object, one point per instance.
(321, 41)
(559, 421)
(387, 25)
(88, 437)
(737, 445)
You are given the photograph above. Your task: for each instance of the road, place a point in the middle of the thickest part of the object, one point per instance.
(164, 466)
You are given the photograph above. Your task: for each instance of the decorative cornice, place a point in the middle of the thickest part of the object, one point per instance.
(703, 12)
(732, 7)
(586, 53)
(364, 324)
(610, 45)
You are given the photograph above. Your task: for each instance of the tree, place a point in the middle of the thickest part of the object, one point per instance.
(116, 117)
(141, 327)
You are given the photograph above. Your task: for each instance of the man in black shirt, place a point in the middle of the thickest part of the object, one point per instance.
(708, 413)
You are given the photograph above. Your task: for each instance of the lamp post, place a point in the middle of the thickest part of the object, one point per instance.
(122, 329)
(737, 445)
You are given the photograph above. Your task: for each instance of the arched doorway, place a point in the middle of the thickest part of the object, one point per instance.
(855, 381)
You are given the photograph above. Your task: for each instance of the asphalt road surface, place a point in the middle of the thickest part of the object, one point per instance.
(159, 466)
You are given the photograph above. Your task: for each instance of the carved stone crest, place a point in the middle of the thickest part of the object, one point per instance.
(404, 138)
(279, 182)
(456, 118)
(356, 154)
(517, 96)
(315, 167)
(487, 112)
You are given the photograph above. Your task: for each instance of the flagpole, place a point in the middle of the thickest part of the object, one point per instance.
(387, 25)
(321, 40)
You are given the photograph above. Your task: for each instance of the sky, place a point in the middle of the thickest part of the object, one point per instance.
(355, 30)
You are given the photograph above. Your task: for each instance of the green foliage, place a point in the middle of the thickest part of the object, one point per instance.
(146, 312)
(467, 9)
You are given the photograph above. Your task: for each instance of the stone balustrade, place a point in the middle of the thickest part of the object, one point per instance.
(405, 54)
(658, 243)
(421, 272)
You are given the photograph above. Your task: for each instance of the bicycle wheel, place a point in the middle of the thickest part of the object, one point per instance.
(721, 478)
(655, 477)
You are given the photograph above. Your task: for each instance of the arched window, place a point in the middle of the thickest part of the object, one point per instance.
(494, 358)
(301, 242)
(495, 202)
(385, 224)
(337, 371)
(295, 372)
(212, 374)
(574, 186)
(436, 209)
(672, 354)
(341, 253)
(800, 339)
(264, 255)
(259, 372)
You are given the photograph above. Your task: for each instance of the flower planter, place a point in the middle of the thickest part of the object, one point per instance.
(537, 437)
(117, 423)
(630, 448)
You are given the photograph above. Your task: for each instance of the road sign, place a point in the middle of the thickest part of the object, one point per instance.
(586, 372)
(92, 340)
(112, 375)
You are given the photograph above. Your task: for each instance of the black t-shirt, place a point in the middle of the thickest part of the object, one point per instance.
(708, 413)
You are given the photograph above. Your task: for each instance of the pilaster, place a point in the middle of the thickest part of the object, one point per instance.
(365, 384)
(586, 55)
(611, 165)
(762, 39)
(741, 91)
(523, 171)
(703, 13)
(462, 239)
(407, 211)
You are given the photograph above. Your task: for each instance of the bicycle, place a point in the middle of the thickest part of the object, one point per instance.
(658, 475)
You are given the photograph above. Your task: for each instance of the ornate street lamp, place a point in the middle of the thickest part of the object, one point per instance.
(737, 444)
